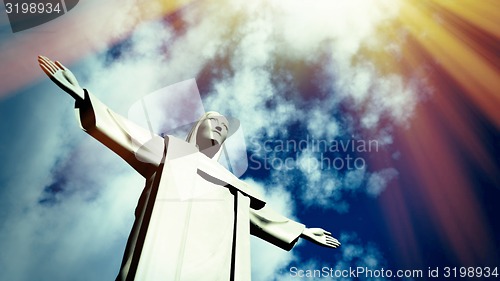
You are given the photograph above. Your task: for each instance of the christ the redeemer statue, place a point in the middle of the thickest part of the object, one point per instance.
(202, 236)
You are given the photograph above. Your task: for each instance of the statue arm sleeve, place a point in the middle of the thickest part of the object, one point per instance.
(274, 228)
(143, 150)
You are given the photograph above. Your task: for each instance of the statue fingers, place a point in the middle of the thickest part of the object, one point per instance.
(46, 70)
(48, 63)
(41, 62)
(330, 239)
(54, 66)
(334, 243)
(43, 59)
(51, 64)
(60, 65)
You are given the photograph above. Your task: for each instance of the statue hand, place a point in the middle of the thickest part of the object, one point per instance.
(62, 76)
(321, 237)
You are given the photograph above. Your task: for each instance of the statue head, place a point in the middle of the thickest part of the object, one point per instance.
(209, 133)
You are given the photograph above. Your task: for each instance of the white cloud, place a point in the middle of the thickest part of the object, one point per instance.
(358, 254)
(320, 124)
(377, 181)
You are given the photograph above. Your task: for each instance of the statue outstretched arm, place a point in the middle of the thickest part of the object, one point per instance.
(140, 148)
(283, 232)
(274, 228)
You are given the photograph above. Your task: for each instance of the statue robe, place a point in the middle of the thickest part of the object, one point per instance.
(194, 218)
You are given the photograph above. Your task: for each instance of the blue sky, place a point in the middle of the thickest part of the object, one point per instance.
(288, 75)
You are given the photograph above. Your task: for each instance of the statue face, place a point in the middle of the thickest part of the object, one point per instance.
(214, 128)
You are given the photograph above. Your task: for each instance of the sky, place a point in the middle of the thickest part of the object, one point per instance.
(375, 120)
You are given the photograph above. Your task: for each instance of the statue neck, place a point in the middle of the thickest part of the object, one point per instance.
(210, 150)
